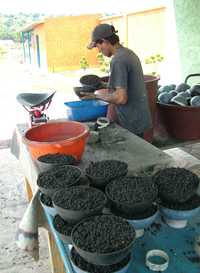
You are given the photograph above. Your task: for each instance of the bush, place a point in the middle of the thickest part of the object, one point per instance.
(2, 52)
(154, 61)
(84, 63)
(104, 65)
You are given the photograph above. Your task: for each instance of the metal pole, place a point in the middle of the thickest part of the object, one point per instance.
(29, 45)
(22, 40)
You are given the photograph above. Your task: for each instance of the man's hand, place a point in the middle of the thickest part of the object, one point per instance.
(87, 96)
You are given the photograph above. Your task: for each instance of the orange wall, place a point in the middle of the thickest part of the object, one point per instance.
(66, 41)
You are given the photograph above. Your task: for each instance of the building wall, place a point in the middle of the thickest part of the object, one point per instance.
(119, 23)
(63, 40)
(40, 31)
(143, 31)
(187, 27)
(67, 39)
(146, 32)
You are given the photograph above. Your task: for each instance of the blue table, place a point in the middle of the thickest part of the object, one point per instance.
(178, 243)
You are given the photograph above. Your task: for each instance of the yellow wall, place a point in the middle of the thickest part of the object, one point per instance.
(146, 32)
(66, 41)
(63, 40)
(143, 32)
(119, 24)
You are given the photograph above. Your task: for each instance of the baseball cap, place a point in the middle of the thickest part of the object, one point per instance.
(100, 32)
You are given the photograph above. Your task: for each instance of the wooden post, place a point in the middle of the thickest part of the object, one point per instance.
(29, 193)
(57, 265)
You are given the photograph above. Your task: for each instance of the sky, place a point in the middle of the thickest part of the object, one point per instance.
(73, 6)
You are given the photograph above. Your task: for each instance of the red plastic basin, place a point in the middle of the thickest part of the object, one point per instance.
(181, 122)
(66, 137)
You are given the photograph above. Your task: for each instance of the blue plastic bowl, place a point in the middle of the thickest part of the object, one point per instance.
(86, 110)
(178, 218)
(144, 223)
(179, 214)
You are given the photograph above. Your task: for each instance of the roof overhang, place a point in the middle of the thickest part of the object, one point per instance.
(31, 26)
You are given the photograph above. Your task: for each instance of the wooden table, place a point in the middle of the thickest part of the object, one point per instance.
(117, 143)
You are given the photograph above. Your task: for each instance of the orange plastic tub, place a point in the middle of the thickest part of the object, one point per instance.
(67, 137)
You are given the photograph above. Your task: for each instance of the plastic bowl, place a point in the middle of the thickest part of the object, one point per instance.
(65, 238)
(90, 80)
(79, 270)
(139, 224)
(178, 218)
(132, 206)
(102, 258)
(79, 89)
(74, 216)
(101, 181)
(65, 137)
(86, 110)
(50, 210)
(46, 166)
(49, 191)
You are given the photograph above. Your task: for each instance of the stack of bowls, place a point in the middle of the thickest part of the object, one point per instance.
(179, 200)
(133, 199)
(102, 243)
(74, 204)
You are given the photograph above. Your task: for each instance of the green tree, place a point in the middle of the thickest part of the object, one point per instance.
(10, 24)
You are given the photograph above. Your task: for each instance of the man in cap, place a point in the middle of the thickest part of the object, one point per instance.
(126, 89)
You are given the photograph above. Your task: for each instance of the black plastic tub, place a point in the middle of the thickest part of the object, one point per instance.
(50, 161)
(47, 204)
(117, 239)
(176, 185)
(79, 202)
(131, 194)
(142, 221)
(90, 81)
(59, 178)
(82, 266)
(100, 173)
(63, 229)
